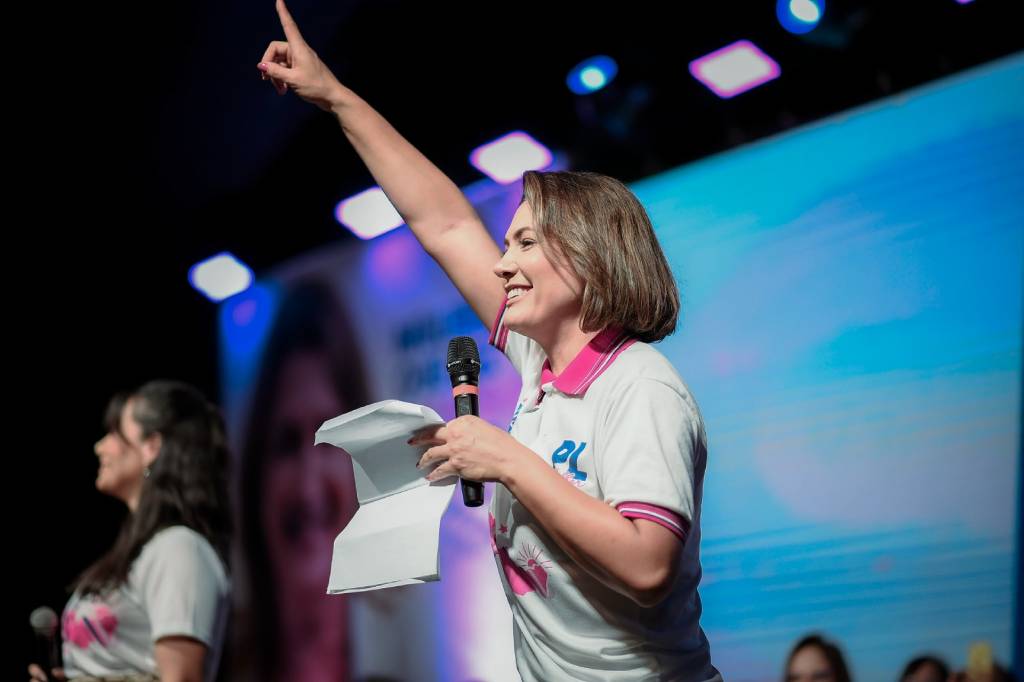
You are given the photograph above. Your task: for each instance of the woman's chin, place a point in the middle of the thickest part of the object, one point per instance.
(105, 486)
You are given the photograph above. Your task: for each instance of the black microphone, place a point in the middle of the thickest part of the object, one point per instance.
(44, 623)
(464, 370)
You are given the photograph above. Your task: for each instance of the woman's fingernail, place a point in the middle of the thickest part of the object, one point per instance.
(262, 67)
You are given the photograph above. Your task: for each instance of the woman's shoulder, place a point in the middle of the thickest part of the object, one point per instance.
(181, 537)
(181, 543)
(643, 368)
(642, 362)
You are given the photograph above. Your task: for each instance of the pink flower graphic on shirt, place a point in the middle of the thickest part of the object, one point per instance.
(106, 619)
(535, 567)
(75, 630)
(83, 631)
(518, 579)
(521, 580)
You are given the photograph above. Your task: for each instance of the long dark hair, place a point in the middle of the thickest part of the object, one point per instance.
(187, 484)
(310, 319)
(832, 654)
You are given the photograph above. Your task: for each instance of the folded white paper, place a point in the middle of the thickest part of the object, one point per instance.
(393, 538)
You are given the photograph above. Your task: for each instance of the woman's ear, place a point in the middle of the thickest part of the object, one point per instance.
(151, 448)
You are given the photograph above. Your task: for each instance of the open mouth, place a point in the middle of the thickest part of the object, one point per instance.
(516, 293)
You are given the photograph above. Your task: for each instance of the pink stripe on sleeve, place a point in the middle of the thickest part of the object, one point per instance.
(659, 515)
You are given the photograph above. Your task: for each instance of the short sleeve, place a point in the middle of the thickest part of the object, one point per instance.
(652, 441)
(182, 583)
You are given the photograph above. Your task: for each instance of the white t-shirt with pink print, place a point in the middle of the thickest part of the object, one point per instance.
(177, 586)
(620, 425)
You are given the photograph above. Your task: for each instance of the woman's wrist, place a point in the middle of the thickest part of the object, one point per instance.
(339, 99)
(517, 465)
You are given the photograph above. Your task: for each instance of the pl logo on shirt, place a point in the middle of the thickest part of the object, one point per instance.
(570, 451)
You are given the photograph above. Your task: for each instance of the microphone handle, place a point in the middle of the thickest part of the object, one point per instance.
(472, 491)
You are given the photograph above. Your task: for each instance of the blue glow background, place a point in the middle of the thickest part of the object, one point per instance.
(853, 334)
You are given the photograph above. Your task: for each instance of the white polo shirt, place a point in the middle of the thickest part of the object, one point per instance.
(619, 424)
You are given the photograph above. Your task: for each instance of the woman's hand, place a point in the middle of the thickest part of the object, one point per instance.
(37, 674)
(293, 65)
(470, 448)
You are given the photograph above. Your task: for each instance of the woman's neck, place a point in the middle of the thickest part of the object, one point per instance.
(565, 344)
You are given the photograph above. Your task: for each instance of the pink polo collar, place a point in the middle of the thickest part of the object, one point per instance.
(592, 360)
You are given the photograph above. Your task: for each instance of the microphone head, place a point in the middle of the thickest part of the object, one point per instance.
(463, 360)
(44, 621)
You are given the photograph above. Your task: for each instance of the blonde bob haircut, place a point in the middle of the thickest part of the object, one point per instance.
(597, 227)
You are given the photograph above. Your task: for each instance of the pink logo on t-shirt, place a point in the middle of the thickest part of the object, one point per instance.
(529, 577)
(536, 572)
(82, 630)
(571, 477)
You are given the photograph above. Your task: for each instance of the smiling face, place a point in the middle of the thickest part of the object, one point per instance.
(123, 456)
(544, 295)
